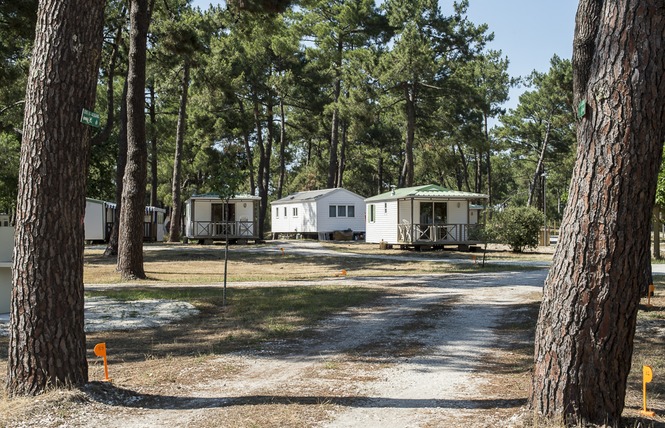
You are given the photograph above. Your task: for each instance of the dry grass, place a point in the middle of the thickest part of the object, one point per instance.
(165, 362)
(195, 264)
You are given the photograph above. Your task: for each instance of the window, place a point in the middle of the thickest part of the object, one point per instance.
(284, 212)
(341, 211)
(277, 212)
(385, 207)
(295, 212)
(372, 213)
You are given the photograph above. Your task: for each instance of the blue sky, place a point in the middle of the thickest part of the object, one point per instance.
(528, 32)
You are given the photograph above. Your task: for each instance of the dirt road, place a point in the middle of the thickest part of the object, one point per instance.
(414, 360)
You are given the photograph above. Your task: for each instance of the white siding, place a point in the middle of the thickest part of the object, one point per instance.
(458, 214)
(95, 220)
(304, 221)
(279, 221)
(314, 216)
(6, 251)
(474, 215)
(344, 198)
(385, 226)
(6, 244)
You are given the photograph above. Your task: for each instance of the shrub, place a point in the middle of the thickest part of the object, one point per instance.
(518, 227)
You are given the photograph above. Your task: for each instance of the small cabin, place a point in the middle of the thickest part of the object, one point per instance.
(210, 218)
(99, 218)
(153, 224)
(424, 216)
(319, 214)
(6, 254)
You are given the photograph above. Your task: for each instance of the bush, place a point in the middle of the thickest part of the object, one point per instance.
(518, 227)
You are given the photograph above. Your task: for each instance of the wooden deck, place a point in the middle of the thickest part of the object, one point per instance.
(439, 235)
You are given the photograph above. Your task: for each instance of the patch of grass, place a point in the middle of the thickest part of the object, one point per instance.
(252, 315)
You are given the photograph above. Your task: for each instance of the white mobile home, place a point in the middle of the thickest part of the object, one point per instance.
(209, 218)
(420, 216)
(319, 214)
(99, 217)
(153, 224)
(6, 253)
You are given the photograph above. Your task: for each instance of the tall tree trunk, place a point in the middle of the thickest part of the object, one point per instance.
(260, 179)
(463, 172)
(379, 169)
(112, 247)
(153, 146)
(478, 161)
(342, 157)
(263, 207)
(334, 134)
(488, 166)
(248, 151)
(110, 80)
(282, 149)
(174, 230)
(406, 178)
(46, 338)
(539, 166)
(132, 211)
(586, 326)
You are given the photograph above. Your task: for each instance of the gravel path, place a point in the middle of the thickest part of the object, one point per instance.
(423, 389)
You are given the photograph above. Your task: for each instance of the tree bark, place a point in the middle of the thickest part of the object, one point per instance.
(47, 345)
(540, 165)
(121, 162)
(248, 150)
(153, 146)
(174, 231)
(488, 160)
(282, 149)
(586, 326)
(132, 212)
(110, 80)
(334, 134)
(342, 156)
(406, 178)
(264, 167)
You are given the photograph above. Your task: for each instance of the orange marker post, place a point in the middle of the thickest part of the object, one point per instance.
(647, 376)
(652, 288)
(100, 351)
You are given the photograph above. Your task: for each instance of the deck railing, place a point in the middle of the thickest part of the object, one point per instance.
(410, 233)
(232, 229)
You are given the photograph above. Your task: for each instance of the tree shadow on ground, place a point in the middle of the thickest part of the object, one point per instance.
(114, 396)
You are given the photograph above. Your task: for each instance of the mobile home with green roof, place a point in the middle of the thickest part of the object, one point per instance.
(424, 216)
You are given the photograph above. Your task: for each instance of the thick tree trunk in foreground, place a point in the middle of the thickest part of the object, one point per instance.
(584, 339)
(132, 211)
(47, 340)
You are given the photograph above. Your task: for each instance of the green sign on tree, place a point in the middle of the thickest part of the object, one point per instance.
(90, 118)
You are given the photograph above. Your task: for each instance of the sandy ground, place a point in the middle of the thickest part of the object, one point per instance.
(438, 387)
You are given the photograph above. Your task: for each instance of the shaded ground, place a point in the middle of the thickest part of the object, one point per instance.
(426, 351)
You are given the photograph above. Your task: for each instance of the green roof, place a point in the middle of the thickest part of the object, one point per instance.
(426, 191)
